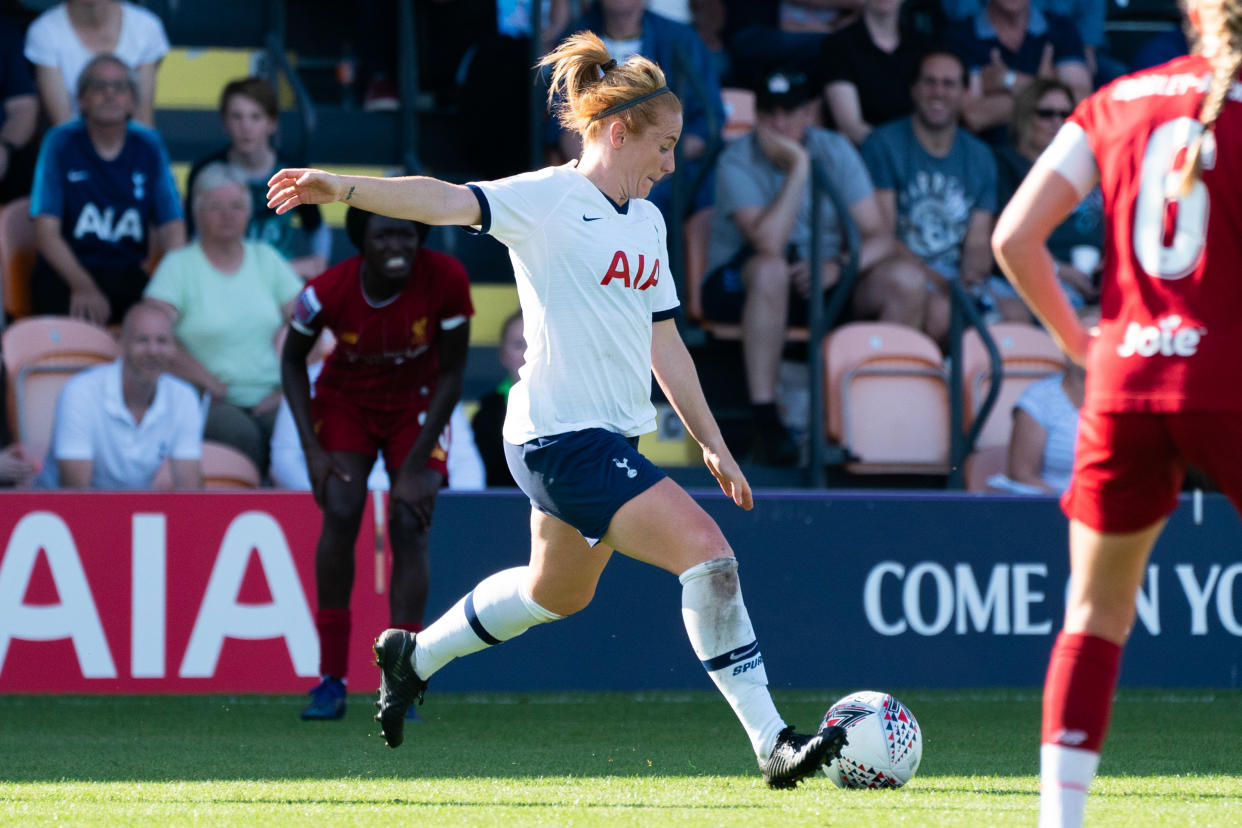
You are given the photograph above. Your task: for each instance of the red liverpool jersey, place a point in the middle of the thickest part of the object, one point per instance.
(1171, 296)
(385, 355)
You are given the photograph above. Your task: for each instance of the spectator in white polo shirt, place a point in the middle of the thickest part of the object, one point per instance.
(116, 423)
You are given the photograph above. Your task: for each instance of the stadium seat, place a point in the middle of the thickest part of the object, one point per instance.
(40, 354)
(887, 399)
(982, 464)
(224, 468)
(1028, 353)
(739, 107)
(17, 256)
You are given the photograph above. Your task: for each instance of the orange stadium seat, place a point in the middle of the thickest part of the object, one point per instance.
(887, 398)
(40, 354)
(1028, 353)
(17, 256)
(224, 468)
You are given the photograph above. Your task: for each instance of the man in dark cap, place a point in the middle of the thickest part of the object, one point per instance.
(758, 269)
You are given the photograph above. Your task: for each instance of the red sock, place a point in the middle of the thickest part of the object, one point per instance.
(414, 628)
(1078, 692)
(333, 626)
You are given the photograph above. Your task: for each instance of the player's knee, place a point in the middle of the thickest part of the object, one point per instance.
(575, 602)
(343, 507)
(1108, 619)
(402, 522)
(563, 601)
(705, 542)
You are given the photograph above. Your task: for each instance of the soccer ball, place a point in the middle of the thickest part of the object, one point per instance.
(885, 743)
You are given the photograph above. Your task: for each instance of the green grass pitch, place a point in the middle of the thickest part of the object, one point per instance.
(582, 759)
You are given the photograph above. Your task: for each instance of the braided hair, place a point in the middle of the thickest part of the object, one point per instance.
(1224, 54)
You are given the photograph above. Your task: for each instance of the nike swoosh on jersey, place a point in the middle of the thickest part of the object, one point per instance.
(585, 217)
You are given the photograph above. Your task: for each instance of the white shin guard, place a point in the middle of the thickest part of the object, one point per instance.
(724, 641)
(498, 609)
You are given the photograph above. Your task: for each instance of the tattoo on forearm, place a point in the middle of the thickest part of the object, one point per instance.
(350, 194)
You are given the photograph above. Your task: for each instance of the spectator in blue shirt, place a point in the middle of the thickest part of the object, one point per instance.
(936, 187)
(1088, 17)
(1005, 46)
(1160, 48)
(101, 184)
(19, 114)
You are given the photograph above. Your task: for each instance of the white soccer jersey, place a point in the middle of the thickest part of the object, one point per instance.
(590, 279)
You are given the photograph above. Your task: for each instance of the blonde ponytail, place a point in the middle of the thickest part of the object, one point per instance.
(588, 86)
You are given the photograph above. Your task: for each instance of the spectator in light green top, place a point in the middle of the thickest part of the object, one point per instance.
(231, 298)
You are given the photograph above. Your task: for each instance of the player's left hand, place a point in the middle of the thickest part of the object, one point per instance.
(416, 491)
(290, 187)
(729, 475)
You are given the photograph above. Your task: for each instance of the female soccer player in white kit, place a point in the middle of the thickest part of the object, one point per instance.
(591, 262)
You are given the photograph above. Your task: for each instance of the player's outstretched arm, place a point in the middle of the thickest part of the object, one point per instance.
(415, 197)
(674, 370)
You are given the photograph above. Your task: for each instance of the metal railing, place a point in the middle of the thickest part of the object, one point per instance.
(408, 83)
(278, 66)
(962, 443)
(820, 319)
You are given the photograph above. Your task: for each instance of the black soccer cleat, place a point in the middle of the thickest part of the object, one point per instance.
(399, 686)
(795, 757)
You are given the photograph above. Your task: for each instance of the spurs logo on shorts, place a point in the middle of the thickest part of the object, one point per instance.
(1166, 338)
(625, 464)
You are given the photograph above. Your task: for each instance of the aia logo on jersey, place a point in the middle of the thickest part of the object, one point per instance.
(620, 270)
(1166, 338)
(105, 226)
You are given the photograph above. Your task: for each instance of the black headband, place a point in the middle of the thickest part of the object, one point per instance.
(632, 102)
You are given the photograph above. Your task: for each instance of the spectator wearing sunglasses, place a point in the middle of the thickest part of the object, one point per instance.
(1038, 112)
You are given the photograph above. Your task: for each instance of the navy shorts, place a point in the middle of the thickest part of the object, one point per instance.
(582, 477)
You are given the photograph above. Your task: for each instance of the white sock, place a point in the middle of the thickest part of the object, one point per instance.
(1065, 774)
(498, 609)
(723, 639)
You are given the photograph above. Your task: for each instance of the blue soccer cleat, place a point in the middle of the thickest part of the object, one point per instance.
(327, 701)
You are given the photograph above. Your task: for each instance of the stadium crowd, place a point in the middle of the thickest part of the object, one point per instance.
(926, 116)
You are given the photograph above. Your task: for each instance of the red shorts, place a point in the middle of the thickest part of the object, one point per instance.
(341, 425)
(1129, 466)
